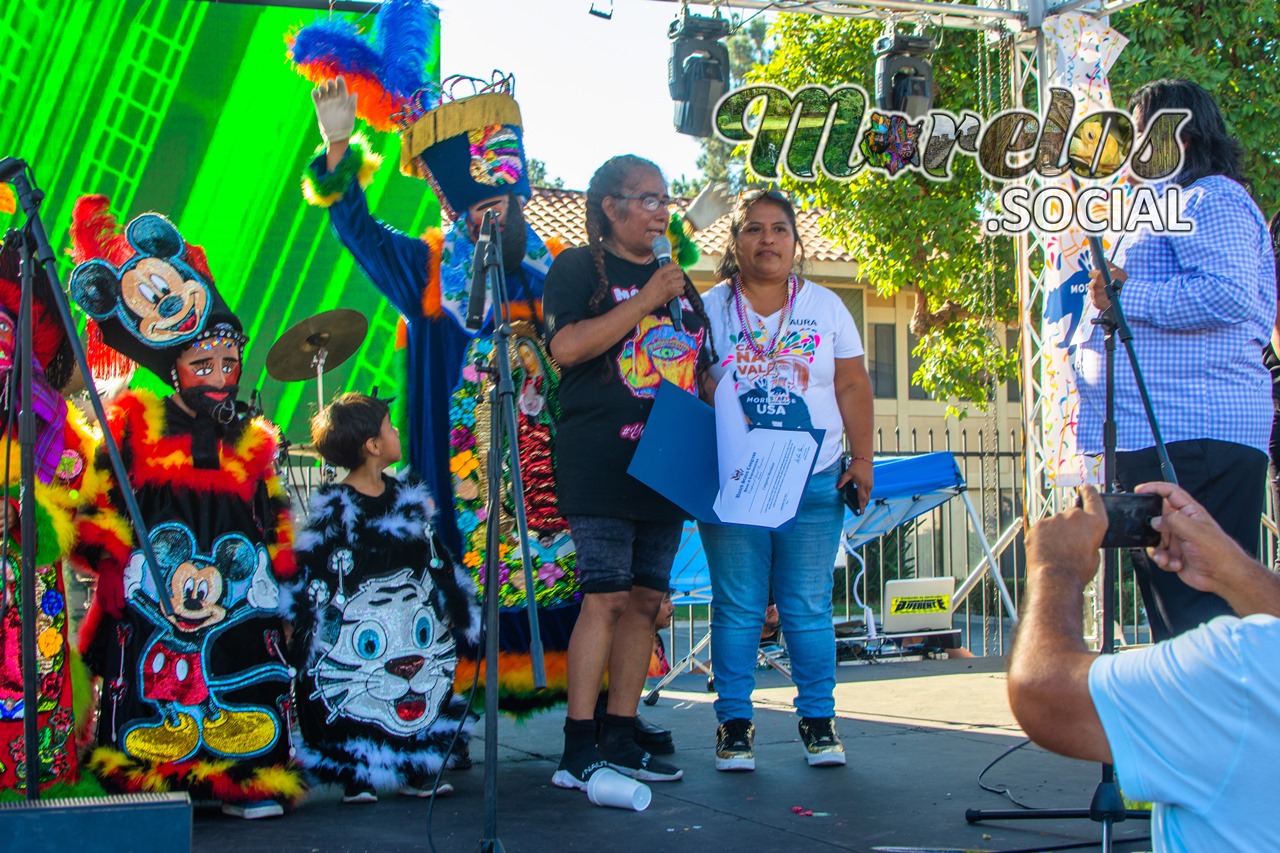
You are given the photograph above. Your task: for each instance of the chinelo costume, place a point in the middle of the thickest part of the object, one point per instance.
(469, 150)
(64, 446)
(372, 641)
(195, 696)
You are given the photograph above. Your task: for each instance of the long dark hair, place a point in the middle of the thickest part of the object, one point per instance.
(611, 180)
(728, 266)
(1211, 150)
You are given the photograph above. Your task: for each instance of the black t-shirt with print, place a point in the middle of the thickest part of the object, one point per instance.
(605, 401)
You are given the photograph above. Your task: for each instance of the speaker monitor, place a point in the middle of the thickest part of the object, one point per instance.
(129, 823)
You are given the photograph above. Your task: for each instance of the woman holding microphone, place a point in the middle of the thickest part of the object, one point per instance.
(610, 326)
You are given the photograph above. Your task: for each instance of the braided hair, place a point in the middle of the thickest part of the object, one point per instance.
(610, 180)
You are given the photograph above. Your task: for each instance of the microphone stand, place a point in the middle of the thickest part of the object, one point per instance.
(1107, 806)
(35, 251)
(503, 437)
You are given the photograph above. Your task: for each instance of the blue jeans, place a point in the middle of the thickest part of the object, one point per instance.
(801, 564)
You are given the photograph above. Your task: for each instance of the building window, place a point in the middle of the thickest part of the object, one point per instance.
(915, 392)
(882, 360)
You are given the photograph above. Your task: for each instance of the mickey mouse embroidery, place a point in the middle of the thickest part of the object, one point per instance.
(156, 294)
(207, 593)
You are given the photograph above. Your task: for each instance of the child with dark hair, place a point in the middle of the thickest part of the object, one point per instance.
(372, 614)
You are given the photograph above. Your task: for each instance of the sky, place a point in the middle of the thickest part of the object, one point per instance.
(588, 88)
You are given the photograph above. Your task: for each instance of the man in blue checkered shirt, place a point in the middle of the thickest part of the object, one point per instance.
(1201, 307)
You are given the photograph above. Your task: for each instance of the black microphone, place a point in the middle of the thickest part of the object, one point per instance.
(662, 251)
(479, 277)
(10, 168)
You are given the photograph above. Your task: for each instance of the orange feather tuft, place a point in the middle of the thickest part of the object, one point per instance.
(434, 238)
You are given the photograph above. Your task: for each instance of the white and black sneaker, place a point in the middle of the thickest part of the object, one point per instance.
(735, 745)
(359, 793)
(575, 770)
(630, 760)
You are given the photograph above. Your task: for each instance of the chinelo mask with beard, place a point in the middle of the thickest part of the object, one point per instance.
(206, 377)
(207, 401)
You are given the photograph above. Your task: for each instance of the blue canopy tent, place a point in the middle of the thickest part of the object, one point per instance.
(909, 486)
(905, 487)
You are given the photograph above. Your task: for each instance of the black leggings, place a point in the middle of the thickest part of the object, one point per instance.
(1227, 480)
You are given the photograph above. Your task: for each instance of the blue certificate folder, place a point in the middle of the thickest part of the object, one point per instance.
(676, 456)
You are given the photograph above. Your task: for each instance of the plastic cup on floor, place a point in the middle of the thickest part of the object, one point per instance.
(610, 788)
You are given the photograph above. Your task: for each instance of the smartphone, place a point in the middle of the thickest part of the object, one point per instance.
(1129, 520)
(851, 497)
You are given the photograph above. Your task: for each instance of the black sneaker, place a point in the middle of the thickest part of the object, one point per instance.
(735, 745)
(822, 746)
(630, 760)
(576, 769)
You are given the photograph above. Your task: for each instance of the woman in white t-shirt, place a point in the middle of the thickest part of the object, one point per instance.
(794, 352)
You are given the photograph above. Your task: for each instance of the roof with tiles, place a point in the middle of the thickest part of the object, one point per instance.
(562, 213)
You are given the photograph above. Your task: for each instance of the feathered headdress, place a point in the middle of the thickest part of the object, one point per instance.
(469, 149)
(49, 339)
(391, 69)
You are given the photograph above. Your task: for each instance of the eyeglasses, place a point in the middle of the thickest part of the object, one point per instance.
(649, 201)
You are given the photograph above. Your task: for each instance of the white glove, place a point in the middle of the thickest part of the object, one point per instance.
(335, 110)
(711, 204)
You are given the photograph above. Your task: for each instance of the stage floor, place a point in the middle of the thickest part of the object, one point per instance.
(917, 734)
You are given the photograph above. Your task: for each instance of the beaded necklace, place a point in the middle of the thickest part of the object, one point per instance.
(775, 343)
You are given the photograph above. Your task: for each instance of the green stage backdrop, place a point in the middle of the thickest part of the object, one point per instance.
(191, 109)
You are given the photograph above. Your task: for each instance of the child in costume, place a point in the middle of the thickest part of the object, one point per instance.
(195, 689)
(372, 612)
(471, 152)
(62, 479)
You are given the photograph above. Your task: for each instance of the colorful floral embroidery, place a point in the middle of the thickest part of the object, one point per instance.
(552, 551)
(495, 156)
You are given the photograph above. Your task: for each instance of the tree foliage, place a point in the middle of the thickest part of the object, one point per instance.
(1232, 50)
(538, 175)
(910, 232)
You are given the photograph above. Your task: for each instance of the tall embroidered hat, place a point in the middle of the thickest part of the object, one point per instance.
(469, 150)
(147, 290)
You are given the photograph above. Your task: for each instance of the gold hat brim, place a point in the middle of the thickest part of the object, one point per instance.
(451, 119)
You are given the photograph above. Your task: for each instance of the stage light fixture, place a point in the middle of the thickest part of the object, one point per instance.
(698, 71)
(904, 75)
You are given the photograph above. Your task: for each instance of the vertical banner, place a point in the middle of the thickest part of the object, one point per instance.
(1083, 49)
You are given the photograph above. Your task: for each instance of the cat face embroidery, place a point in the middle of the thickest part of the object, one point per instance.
(392, 659)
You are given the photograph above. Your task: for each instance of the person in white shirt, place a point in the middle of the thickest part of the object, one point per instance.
(1189, 723)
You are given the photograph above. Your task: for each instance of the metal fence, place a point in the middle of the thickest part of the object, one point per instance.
(945, 542)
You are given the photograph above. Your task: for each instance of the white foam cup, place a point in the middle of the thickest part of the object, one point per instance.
(610, 788)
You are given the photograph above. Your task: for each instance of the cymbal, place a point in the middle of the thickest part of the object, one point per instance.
(339, 332)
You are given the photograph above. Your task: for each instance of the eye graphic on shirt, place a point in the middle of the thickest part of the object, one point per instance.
(659, 351)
